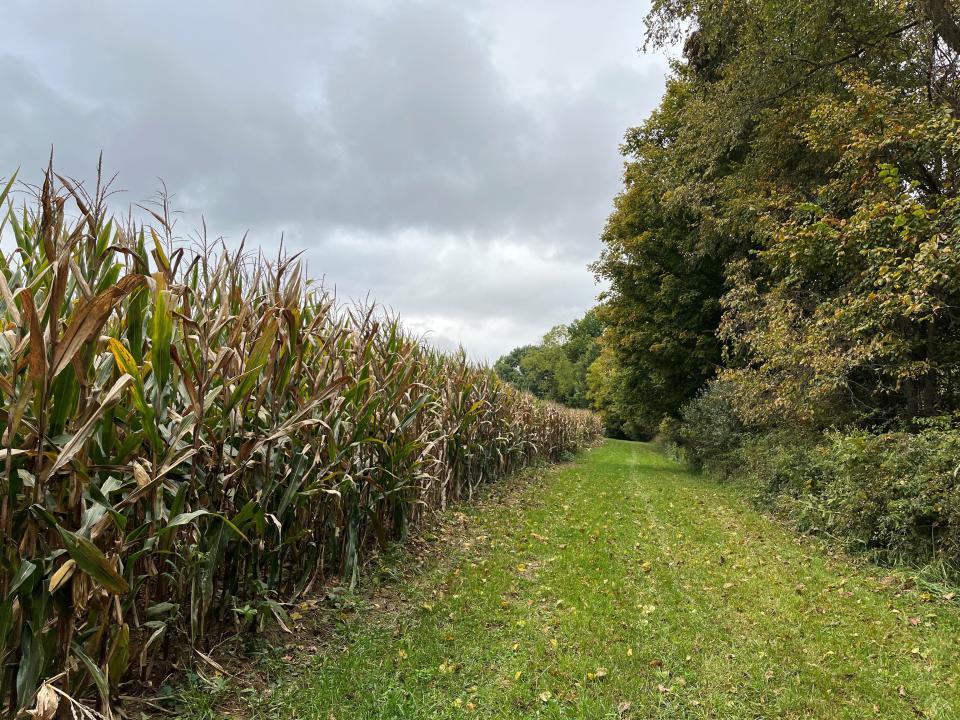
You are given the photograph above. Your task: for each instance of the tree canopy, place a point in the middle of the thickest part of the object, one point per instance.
(788, 220)
(556, 368)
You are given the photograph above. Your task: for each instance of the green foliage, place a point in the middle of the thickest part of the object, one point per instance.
(662, 309)
(849, 314)
(509, 369)
(193, 438)
(611, 397)
(556, 369)
(895, 496)
(710, 427)
(793, 197)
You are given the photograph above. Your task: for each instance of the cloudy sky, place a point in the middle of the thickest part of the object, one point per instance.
(455, 159)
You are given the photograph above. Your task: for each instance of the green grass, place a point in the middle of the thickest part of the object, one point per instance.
(620, 586)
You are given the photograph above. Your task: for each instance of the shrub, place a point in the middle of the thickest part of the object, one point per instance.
(710, 429)
(895, 495)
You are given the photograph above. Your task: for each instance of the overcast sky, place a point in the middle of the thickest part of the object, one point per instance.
(454, 159)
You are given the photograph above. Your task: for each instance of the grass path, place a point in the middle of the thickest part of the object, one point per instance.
(621, 586)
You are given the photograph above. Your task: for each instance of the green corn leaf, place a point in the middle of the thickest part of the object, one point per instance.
(161, 335)
(26, 575)
(119, 656)
(31, 663)
(92, 561)
(254, 364)
(96, 674)
(76, 442)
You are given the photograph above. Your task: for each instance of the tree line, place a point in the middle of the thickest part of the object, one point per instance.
(556, 368)
(783, 259)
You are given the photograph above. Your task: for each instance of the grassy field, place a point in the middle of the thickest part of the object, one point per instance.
(619, 586)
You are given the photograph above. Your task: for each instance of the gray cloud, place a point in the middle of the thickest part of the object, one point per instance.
(456, 160)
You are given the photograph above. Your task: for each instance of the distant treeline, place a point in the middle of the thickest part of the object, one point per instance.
(556, 368)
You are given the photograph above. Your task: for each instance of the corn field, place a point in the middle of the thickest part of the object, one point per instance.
(195, 437)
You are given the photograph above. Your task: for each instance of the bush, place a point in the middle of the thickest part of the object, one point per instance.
(895, 496)
(710, 430)
(896, 493)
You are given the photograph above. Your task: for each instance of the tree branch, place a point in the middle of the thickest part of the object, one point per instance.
(944, 23)
(859, 51)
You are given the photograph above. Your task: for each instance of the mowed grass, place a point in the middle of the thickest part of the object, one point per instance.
(621, 586)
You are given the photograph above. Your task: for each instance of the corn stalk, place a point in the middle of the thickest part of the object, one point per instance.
(194, 437)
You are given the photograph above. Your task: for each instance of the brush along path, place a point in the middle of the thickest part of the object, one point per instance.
(623, 587)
